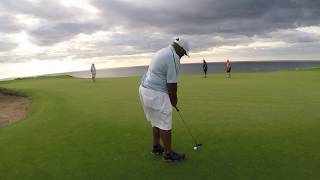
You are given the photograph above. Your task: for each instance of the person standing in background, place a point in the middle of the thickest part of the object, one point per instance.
(228, 63)
(205, 68)
(93, 72)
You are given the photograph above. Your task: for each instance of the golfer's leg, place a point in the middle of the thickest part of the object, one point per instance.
(166, 139)
(156, 136)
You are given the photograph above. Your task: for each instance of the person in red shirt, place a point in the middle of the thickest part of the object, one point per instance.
(228, 69)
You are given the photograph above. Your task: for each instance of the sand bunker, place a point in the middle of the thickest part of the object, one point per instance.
(12, 108)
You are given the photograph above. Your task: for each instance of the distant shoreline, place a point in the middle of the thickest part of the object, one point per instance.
(194, 68)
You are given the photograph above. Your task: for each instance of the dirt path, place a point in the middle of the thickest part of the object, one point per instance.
(12, 108)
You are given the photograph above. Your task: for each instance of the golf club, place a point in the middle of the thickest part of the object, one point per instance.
(196, 144)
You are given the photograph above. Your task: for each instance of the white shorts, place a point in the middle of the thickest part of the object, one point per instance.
(157, 108)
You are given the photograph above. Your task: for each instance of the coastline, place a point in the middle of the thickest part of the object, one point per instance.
(192, 68)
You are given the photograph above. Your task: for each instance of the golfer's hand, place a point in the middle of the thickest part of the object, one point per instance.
(172, 92)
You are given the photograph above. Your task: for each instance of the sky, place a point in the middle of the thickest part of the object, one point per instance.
(51, 36)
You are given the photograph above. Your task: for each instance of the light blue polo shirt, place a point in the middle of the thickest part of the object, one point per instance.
(164, 68)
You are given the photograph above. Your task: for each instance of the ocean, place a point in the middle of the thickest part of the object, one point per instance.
(213, 67)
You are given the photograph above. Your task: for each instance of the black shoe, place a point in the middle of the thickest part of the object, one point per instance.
(157, 150)
(173, 156)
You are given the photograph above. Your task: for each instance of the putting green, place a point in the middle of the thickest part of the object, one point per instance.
(253, 126)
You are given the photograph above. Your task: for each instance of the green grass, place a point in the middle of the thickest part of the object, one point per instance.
(253, 126)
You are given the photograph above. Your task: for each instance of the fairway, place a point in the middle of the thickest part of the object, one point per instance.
(253, 126)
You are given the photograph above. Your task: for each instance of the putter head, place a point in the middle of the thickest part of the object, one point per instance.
(177, 108)
(197, 145)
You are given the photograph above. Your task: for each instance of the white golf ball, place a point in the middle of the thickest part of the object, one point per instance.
(195, 148)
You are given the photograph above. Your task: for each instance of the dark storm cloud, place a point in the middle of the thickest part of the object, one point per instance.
(247, 17)
(150, 25)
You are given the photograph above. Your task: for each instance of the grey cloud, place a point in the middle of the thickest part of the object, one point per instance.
(9, 24)
(124, 44)
(8, 58)
(46, 9)
(54, 33)
(58, 23)
(201, 21)
(151, 25)
(303, 50)
(5, 46)
(294, 36)
(210, 17)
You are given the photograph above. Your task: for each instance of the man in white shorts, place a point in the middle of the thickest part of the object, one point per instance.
(158, 94)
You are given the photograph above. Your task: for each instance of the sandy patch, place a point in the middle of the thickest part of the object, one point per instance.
(12, 108)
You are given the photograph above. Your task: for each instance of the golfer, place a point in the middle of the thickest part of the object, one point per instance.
(205, 68)
(93, 72)
(158, 94)
(228, 63)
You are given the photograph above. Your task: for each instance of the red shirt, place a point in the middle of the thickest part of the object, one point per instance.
(228, 65)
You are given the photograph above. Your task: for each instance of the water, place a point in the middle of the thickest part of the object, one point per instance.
(244, 66)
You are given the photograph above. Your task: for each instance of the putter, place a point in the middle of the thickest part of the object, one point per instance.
(196, 144)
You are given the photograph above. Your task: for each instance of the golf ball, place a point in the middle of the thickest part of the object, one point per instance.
(195, 148)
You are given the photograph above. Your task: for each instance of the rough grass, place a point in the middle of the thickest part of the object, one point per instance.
(253, 126)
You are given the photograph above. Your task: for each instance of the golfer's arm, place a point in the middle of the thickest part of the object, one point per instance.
(172, 91)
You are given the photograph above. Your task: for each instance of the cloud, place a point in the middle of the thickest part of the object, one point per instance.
(294, 36)
(240, 17)
(55, 21)
(48, 9)
(6, 46)
(9, 24)
(54, 33)
(55, 29)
